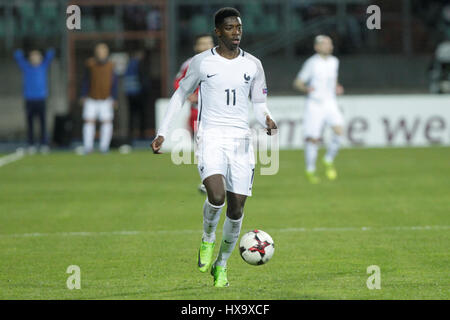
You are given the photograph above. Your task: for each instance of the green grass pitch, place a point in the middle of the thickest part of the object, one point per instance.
(62, 209)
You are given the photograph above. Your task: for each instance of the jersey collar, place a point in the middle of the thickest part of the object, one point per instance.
(241, 54)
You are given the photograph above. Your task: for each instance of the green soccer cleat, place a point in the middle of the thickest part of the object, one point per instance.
(220, 276)
(330, 171)
(312, 178)
(205, 254)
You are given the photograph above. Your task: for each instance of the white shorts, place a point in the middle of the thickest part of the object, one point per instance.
(318, 114)
(231, 157)
(98, 109)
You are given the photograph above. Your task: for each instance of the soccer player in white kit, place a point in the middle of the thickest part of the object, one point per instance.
(318, 78)
(227, 77)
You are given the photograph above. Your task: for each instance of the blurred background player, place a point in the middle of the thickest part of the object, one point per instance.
(35, 92)
(202, 43)
(137, 87)
(98, 98)
(318, 78)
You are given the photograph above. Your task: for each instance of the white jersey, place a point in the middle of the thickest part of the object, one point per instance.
(226, 87)
(321, 74)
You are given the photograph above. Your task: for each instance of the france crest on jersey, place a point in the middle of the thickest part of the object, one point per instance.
(226, 88)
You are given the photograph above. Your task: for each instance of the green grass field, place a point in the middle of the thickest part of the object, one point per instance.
(62, 209)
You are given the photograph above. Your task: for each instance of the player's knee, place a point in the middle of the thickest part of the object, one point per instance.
(235, 213)
(216, 199)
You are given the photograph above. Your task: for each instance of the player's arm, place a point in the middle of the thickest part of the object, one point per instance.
(264, 117)
(175, 105)
(193, 98)
(20, 59)
(301, 81)
(301, 86)
(187, 85)
(339, 87)
(258, 95)
(49, 55)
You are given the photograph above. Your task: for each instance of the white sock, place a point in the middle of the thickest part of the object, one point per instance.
(105, 136)
(211, 217)
(231, 231)
(88, 136)
(311, 150)
(333, 148)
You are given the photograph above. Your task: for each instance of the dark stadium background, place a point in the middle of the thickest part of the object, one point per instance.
(398, 58)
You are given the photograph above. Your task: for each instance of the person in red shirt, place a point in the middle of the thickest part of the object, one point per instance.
(202, 43)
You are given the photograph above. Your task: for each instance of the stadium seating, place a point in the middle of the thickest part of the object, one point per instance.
(199, 24)
(2, 27)
(49, 10)
(88, 23)
(110, 23)
(26, 12)
(49, 14)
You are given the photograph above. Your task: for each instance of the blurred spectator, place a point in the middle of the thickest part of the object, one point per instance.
(440, 69)
(134, 18)
(354, 32)
(136, 85)
(153, 19)
(98, 98)
(444, 24)
(35, 91)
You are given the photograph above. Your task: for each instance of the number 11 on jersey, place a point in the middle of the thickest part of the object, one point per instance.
(228, 96)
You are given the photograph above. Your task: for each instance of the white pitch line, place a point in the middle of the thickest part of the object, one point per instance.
(157, 232)
(11, 158)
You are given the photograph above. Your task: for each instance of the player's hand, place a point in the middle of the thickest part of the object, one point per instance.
(339, 90)
(271, 125)
(157, 144)
(115, 104)
(309, 89)
(82, 101)
(193, 98)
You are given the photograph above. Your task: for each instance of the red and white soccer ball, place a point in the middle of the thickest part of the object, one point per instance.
(256, 247)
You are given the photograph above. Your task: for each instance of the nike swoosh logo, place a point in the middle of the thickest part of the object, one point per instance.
(199, 262)
(227, 242)
(211, 75)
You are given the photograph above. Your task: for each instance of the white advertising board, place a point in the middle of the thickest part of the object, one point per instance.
(370, 120)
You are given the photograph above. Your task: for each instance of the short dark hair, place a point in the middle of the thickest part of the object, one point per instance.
(201, 35)
(223, 13)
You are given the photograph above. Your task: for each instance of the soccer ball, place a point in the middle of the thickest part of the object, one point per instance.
(256, 247)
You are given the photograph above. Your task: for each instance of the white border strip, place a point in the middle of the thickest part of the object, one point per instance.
(11, 158)
(159, 232)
